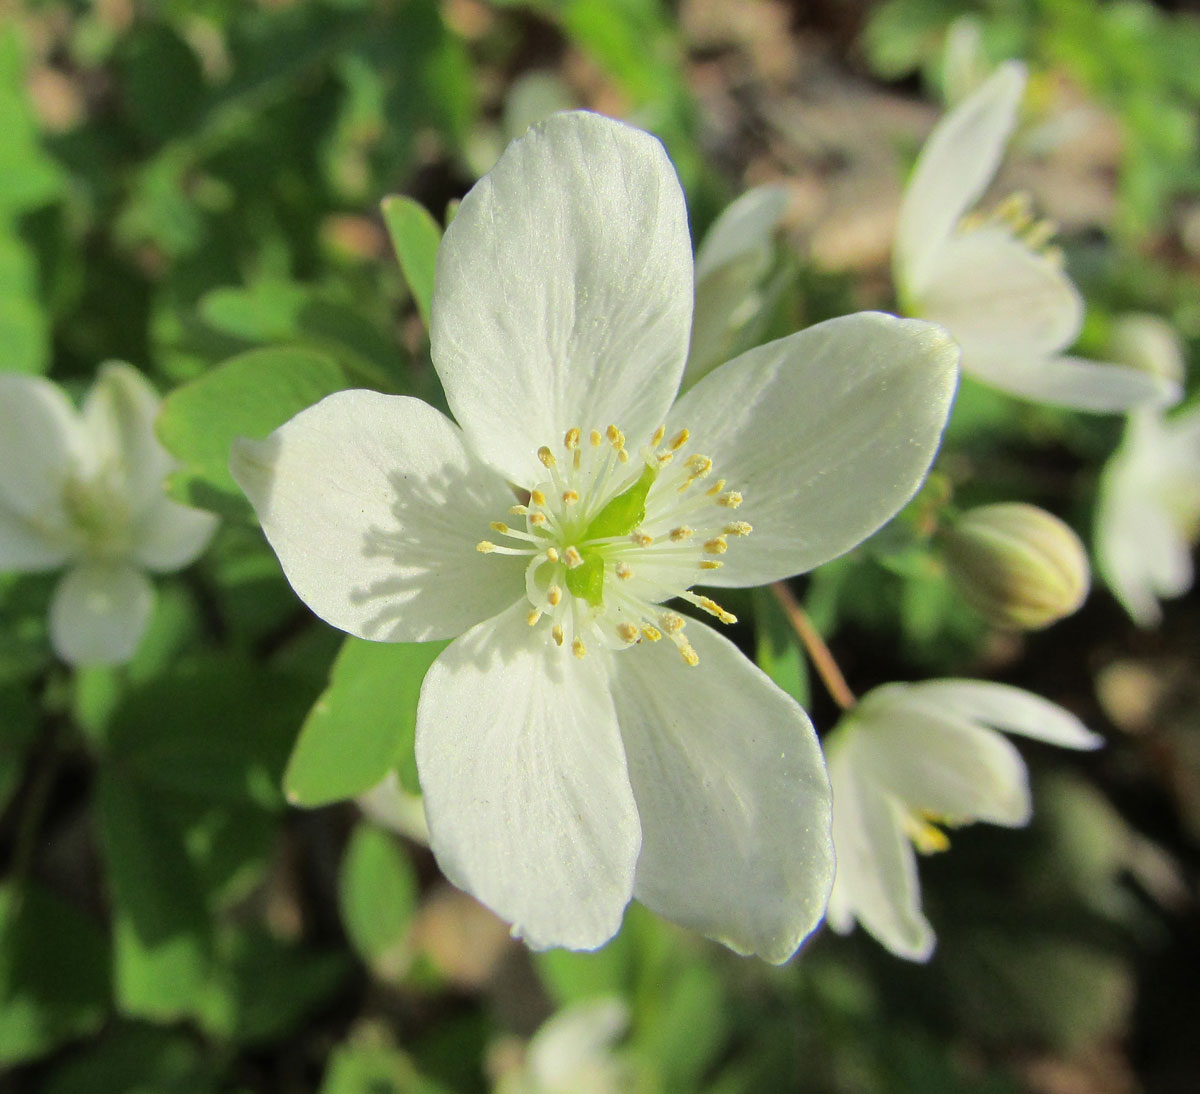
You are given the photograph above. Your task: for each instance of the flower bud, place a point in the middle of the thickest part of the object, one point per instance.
(1016, 564)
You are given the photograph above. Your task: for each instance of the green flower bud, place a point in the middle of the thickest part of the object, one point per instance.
(1016, 564)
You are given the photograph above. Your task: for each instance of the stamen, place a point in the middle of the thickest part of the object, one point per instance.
(690, 657)
(671, 622)
(499, 526)
(553, 596)
(731, 500)
(678, 535)
(651, 634)
(596, 439)
(485, 546)
(572, 557)
(571, 440)
(557, 632)
(641, 539)
(570, 497)
(551, 554)
(624, 571)
(717, 546)
(538, 520)
(710, 564)
(533, 617)
(680, 439)
(716, 488)
(537, 497)
(659, 434)
(628, 632)
(547, 457)
(519, 510)
(578, 648)
(738, 528)
(713, 608)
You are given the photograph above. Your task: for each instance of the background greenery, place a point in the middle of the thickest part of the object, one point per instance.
(196, 188)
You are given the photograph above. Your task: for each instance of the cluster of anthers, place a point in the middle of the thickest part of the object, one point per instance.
(1014, 214)
(611, 539)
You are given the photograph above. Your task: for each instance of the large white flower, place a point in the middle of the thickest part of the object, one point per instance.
(1148, 514)
(84, 489)
(990, 279)
(570, 753)
(909, 757)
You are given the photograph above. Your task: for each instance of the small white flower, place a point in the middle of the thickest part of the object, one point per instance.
(1148, 513)
(572, 1053)
(990, 279)
(84, 489)
(570, 754)
(909, 757)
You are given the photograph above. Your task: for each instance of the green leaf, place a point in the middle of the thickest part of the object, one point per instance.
(18, 727)
(136, 1059)
(415, 237)
(377, 893)
(777, 650)
(374, 1069)
(24, 325)
(163, 948)
(53, 974)
(28, 176)
(247, 396)
(363, 724)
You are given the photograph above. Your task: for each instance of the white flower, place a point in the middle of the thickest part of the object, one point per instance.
(909, 757)
(1148, 513)
(572, 1053)
(989, 279)
(84, 489)
(570, 755)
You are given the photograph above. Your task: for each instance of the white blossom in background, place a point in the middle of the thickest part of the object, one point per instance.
(83, 490)
(990, 279)
(571, 754)
(910, 758)
(573, 1053)
(732, 262)
(1148, 512)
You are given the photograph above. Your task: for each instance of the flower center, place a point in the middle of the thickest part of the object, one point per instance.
(99, 514)
(610, 539)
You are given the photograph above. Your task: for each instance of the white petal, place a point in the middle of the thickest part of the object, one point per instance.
(958, 161)
(374, 506)
(523, 772)
(1011, 709)
(99, 613)
(932, 760)
(826, 434)
(876, 880)
(563, 294)
(731, 787)
(1000, 299)
(744, 228)
(40, 437)
(119, 414)
(169, 536)
(1070, 382)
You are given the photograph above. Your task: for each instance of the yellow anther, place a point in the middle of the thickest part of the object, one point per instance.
(578, 648)
(554, 596)
(571, 440)
(572, 557)
(926, 837)
(659, 434)
(547, 457)
(700, 465)
(664, 458)
(499, 526)
(716, 488)
(627, 631)
(710, 564)
(681, 533)
(624, 571)
(596, 438)
(537, 519)
(570, 497)
(551, 554)
(557, 632)
(731, 500)
(533, 617)
(716, 546)
(519, 510)
(622, 455)
(690, 657)
(537, 497)
(615, 437)
(738, 528)
(680, 439)
(641, 539)
(1040, 234)
(651, 634)
(484, 546)
(713, 608)
(671, 622)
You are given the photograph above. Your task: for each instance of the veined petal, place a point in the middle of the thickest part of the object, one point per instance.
(563, 294)
(1000, 299)
(1011, 709)
(119, 413)
(40, 445)
(1070, 382)
(169, 536)
(876, 880)
(733, 796)
(954, 168)
(374, 506)
(526, 793)
(932, 760)
(99, 613)
(744, 228)
(826, 434)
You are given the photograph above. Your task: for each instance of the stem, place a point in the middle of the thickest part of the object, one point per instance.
(818, 653)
